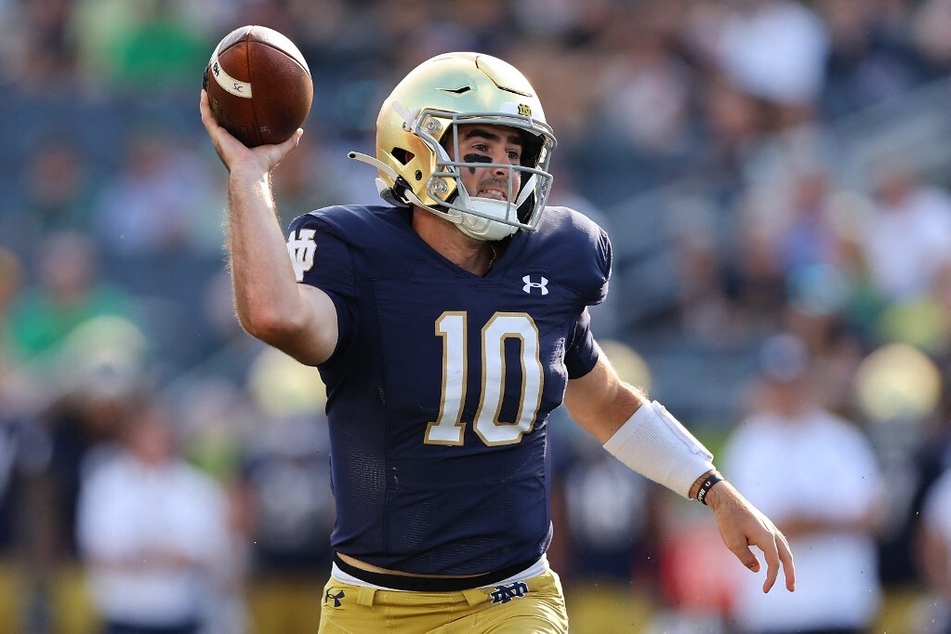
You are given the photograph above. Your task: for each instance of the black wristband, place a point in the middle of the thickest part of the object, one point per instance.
(706, 485)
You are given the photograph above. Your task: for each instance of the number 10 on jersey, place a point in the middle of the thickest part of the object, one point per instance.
(502, 328)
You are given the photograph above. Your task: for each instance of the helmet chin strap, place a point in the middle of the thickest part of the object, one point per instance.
(486, 223)
(479, 227)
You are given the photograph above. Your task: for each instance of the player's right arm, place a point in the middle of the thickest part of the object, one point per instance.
(298, 319)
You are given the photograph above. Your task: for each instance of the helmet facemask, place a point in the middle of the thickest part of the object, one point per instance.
(528, 184)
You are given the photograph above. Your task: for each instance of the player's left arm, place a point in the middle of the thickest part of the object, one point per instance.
(644, 436)
(600, 402)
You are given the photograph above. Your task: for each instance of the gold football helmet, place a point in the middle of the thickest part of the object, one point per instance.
(418, 126)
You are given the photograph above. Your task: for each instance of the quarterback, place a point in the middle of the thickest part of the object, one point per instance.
(447, 323)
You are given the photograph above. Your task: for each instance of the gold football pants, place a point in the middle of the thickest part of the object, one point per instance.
(536, 606)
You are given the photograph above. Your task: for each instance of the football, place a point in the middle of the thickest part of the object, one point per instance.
(259, 86)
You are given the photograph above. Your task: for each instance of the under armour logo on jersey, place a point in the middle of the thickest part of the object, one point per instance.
(541, 285)
(334, 597)
(504, 594)
(302, 248)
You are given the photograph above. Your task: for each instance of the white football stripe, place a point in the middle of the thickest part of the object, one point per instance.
(226, 81)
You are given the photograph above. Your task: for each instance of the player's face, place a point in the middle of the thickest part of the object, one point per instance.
(490, 144)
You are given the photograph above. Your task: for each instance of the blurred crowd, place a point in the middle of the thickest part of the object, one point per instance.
(776, 179)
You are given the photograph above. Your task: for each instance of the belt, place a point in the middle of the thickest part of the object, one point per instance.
(431, 584)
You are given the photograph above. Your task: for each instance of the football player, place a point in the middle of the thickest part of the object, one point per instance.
(448, 322)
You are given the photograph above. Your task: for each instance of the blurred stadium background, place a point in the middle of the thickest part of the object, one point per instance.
(744, 155)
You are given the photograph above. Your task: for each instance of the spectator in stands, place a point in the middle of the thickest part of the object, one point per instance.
(819, 476)
(70, 292)
(49, 59)
(158, 49)
(158, 202)
(912, 213)
(58, 185)
(81, 404)
(153, 532)
(875, 52)
(285, 493)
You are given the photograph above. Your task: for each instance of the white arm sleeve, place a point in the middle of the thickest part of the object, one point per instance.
(655, 444)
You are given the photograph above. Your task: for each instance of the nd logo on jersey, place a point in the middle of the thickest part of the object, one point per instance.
(302, 248)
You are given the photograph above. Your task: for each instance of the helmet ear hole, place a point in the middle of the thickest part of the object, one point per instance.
(401, 155)
(531, 150)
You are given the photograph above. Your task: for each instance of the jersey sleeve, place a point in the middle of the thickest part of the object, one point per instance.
(580, 250)
(323, 260)
(582, 353)
(605, 261)
(587, 246)
(319, 257)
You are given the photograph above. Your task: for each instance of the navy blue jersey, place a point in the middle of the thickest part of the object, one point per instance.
(441, 385)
